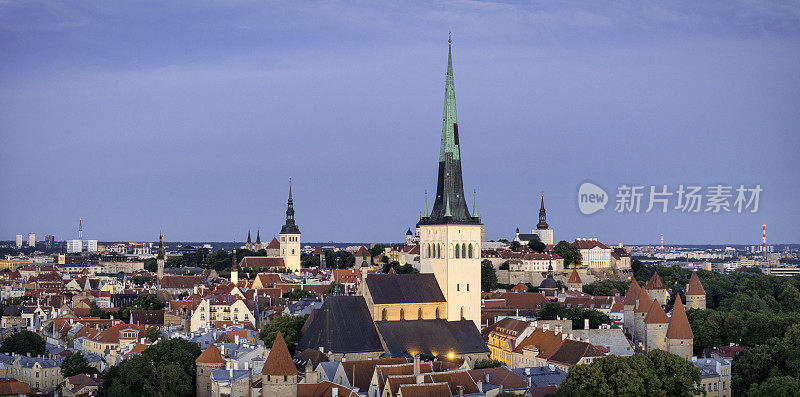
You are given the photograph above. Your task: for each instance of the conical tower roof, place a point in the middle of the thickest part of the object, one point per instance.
(695, 286)
(211, 355)
(633, 293)
(643, 302)
(679, 327)
(279, 361)
(655, 282)
(656, 314)
(574, 278)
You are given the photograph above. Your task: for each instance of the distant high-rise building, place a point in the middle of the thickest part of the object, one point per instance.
(74, 246)
(90, 245)
(19, 241)
(49, 241)
(32, 240)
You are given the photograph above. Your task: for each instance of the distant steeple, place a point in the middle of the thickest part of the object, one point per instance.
(249, 241)
(258, 237)
(160, 246)
(542, 225)
(450, 205)
(290, 227)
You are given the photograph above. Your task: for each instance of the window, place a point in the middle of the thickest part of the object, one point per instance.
(438, 250)
(383, 314)
(437, 313)
(463, 250)
(462, 312)
(457, 252)
(458, 287)
(429, 250)
(402, 314)
(467, 287)
(469, 251)
(419, 314)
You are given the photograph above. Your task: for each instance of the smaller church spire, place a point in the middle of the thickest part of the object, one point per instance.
(542, 225)
(249, 240)
(426, 205)
(160, 246)
(233, 259)
(290, 227)
(258, 237)
(474, 203)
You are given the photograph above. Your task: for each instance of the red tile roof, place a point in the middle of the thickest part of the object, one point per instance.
(279, 361)
(655, 282)
(274, 244)
(656, 314)
(574, 278)
(695, 287)
(679, 327)
(632, 294)
(211, 355)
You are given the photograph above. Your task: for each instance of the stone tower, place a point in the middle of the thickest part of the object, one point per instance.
(695, 293)
(279, 375)
(160, 259)
(680, 339)
(639, 313)
(450, 237)
(655, 327)
(628, 305)
(575, 283)
(209, 360)
(290, 237)
(656, 289)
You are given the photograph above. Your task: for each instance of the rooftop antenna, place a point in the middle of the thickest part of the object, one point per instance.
(764, 242)
(80, 229)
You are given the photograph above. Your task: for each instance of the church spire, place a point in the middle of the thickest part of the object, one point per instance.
(542, 225)
(450, 201)
(160, 246)
(258, 237)
(290, 227)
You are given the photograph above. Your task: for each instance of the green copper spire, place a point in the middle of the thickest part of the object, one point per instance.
(450, 205)
(449, 120)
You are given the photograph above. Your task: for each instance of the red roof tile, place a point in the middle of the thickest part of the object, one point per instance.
(695, 287)
(279, 361)
(679, 327)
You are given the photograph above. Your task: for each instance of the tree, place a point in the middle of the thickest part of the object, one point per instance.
(23, 342)
(570, 253)
(74, 364)
(488, 364)
(536, 245)
(514, 246)
(656, 373)
(289, 326)
(147, 302)
(488, 276)
(605, 288)
(376, 250)
(553, 310)
(309, 260)
(406, 269)
(504, 266)
(297, 295)
(152, 334)
(776, 386)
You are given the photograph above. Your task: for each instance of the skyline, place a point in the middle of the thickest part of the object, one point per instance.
(200, 137)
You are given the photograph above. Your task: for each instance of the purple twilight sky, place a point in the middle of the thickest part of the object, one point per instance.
(190, 117)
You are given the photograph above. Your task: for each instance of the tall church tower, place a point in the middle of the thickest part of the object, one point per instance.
(290, 238)
(542, 228)
(450, 237)
(160, 258)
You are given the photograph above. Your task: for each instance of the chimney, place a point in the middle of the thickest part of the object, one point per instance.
(416, 363)
(486, 376)
(586, 323)
(460, 390)
(334, 392)
(236, 339)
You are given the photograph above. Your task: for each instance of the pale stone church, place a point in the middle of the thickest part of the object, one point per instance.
(280, 254)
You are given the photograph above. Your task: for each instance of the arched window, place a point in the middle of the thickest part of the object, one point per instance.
(402, 314)
(457, 252)
(429, 250)
(462, 312)
(437, 313)
(463, 250)
(469, 251)
(419, 314)
(383, 314)
(438, 250)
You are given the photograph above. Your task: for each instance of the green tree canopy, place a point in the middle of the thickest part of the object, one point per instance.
(166, 368)
(488, 276)
(297, 294)
(152, 334)
(289, 326)
(514, 246)
(488, 364)
(570, 253)
(536, 245)
(553, 310)
(23, 342)
(657, 373)
(74, 364)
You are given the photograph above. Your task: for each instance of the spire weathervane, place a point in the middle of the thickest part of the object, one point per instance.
(449, 37)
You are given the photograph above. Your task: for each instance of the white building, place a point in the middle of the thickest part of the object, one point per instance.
(19, 241)
(90, 245)
(32, 240)
(594, 254)
(74, 246)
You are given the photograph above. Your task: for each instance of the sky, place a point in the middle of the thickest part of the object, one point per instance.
(190, 117)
